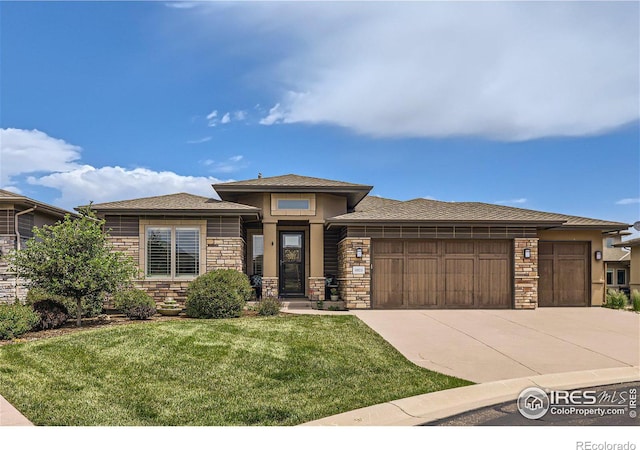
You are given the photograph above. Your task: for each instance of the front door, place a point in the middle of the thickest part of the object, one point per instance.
(292, 264)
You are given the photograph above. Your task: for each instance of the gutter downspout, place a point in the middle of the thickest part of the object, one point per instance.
(18, 237)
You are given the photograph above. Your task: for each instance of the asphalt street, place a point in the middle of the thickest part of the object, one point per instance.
(508, 414)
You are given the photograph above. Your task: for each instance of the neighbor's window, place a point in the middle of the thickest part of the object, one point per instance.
(173, 252)
(293, 204)
(609, 277)
(258, 253)
(609, 242)
(621, 277)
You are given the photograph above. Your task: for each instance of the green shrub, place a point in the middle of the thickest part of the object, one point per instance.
(635, 300)
(91, 306)
(269, 306)
(15, 320)
(616, 299)
(135, 304)
(53, 314)
(218, 294)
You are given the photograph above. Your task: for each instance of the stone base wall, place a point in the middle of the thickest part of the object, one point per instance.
(130, 246)
(226, 253)
(269, 287)
(10, 286)
(355, 289)
(161, 290)
(316, 288)
(525, 273)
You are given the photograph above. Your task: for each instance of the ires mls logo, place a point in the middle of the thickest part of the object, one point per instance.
(533, 403)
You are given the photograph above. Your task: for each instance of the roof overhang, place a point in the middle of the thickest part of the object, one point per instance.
(447, 223)
(28, 203)
(353, 194)
(179, 212)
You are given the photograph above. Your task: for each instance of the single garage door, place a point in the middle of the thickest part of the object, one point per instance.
(564, 271)
(442, 273)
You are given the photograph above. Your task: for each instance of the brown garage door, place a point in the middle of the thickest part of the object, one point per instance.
(564, 273)
(442, 274)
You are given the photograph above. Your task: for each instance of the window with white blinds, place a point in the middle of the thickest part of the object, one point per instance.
(187, 251)
(172, 252)
(158, 251)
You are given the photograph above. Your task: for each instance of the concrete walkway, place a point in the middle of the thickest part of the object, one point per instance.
(11, 417)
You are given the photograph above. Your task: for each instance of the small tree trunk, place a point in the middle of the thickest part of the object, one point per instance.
(79, 312)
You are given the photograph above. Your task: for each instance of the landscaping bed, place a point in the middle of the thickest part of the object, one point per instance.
(281, 370)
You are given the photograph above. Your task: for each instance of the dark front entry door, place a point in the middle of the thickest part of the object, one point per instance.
(292, 264)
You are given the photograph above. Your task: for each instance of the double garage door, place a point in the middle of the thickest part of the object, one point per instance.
(442, 274)
(473, 274)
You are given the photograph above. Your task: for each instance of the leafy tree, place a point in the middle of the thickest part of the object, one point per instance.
(73, 258)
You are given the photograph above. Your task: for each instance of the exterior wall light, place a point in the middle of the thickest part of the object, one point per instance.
(598, 255)
(527, 253)
(359, 252)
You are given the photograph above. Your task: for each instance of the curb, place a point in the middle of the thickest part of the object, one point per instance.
(426, 408)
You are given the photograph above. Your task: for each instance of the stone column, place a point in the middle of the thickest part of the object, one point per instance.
(316, 261)
(355, 288)
(271, 261)
(525, 273)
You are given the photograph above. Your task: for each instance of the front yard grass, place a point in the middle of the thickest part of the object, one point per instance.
(281, 370)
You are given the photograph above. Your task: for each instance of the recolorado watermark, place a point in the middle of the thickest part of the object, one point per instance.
(535, 403)
(589, 445)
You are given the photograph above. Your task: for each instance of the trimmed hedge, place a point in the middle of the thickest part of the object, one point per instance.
(135, 304)
(218, 294)
(15, 320)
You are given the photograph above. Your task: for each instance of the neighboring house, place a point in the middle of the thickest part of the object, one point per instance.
(294, 231)
(634, 269)
(18, 216)
(616, 261)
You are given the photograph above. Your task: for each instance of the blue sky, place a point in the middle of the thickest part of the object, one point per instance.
(529, 105)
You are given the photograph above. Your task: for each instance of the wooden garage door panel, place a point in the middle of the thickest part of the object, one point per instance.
(570, 284)
(432, 273)
(388, 285)
(458, 282)
(421, 282)
(422, 247)
(459, 247)
(545, 282)
(389, 247)
(494, 283)
(564, 273)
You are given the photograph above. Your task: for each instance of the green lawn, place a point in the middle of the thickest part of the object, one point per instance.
(281, 370)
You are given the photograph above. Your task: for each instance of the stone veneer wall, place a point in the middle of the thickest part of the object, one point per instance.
(269, 287)
(226, 253)
(7, 277)
(316, 288)
(525, 273)
(221, 253)
(355, 290)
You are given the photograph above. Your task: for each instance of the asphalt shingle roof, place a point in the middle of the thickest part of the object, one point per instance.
(423, 210)
(179, 202)
(371, 202)
(291, 181)
(630, 243)
(12, 197)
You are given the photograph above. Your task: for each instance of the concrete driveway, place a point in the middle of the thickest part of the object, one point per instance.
(491, 345)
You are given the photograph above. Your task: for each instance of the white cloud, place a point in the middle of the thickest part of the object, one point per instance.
(499, 70)
(226, 118)
(181, 4)
(86, 183)
(515, 201)
(229, 165)
(32, 151)
(628, 201)
(276, 115)
(240, 115)
(212, 115)
(200, 141)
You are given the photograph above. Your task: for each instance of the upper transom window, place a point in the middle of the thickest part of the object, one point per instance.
(293, 203)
